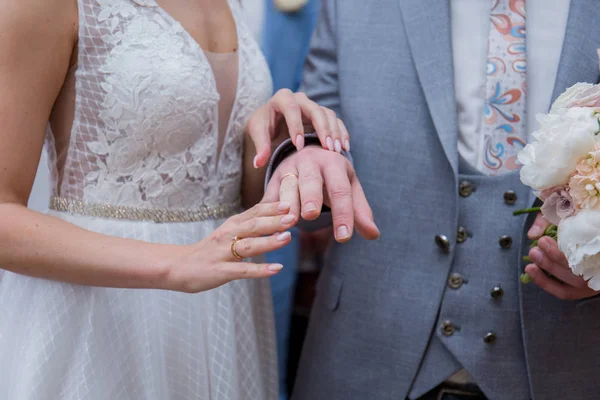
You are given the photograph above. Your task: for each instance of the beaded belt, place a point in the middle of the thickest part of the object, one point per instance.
(144, 214)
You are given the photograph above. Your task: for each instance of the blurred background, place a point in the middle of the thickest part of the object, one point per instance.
(283, 29)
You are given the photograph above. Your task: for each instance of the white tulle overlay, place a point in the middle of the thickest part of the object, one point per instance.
(61, 341)
(145, 134)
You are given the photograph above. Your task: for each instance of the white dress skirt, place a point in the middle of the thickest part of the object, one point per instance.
(63, 341)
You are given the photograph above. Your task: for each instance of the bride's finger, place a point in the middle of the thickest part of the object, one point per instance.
(334, 141)
(247, 270)
(314, 117)
(345, 135)
(289, 192)
(263, 210)
(262, 226)
(255, 246)
(258, 131)
(286, 104)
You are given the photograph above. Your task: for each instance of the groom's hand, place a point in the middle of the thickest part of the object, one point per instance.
(547, 257)
(312, 177)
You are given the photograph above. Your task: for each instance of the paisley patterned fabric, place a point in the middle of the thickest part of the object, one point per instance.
(504, 120)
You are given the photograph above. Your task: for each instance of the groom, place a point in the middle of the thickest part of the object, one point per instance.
(439, 96)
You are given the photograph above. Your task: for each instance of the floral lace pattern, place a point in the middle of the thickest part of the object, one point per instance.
(145, 132)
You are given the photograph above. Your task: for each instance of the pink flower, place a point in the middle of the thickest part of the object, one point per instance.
(558, 204)
(578, 95)
(584, 185)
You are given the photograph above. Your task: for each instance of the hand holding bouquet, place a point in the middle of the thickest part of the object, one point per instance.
(562, 163)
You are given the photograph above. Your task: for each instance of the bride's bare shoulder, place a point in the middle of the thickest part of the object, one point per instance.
(38, 21)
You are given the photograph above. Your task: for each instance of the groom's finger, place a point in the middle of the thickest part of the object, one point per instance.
(339, 192)
(547, 264)
(288, 192)
(551, 250)
(556, 289)
(363, 215)
(538, 228)
(311, 190)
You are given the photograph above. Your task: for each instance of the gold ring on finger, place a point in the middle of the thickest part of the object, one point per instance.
(234, 252)
(289, 174)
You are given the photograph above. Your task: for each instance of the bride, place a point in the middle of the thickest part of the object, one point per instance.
(144, 105)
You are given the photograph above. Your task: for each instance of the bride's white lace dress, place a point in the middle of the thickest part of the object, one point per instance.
(143, 159)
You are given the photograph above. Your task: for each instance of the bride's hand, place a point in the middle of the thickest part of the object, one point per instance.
(212, 262)
(293, 114)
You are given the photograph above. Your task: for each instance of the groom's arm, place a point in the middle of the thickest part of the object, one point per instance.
(320, 83)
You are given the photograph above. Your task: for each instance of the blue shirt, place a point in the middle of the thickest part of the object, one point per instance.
(286, 41)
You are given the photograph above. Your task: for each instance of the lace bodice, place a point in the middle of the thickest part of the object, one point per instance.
(145, 129)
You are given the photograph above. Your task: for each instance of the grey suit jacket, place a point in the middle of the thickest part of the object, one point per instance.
(386, 68)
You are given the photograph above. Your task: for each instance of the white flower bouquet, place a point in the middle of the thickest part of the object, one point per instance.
(562, 163)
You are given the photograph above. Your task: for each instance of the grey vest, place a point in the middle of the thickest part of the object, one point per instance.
(479, 326)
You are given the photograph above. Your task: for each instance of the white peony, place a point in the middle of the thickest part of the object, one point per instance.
(579, 240)
(562, 140)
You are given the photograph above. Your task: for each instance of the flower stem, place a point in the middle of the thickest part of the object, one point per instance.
(527, 259)
(527, 210)
(525, 279)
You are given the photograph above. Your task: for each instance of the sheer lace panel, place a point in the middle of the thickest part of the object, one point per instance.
(145, 128)
(225, 71)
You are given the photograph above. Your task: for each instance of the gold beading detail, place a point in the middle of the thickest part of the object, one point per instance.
(144, 214)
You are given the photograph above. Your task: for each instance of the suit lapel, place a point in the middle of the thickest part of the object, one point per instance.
(430, 40)
(579, 57)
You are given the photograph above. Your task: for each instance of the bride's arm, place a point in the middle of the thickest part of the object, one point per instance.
(36, 44)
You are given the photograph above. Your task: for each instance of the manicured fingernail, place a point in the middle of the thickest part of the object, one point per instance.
(342, 232)
(282, 237)
(536, 255)
(308, 207)
(329, 143)
(287, 219)
(300, 142)
(283, 206)
(275, 267)
(338, 146)
(535, 231)
(255, 161)
(347, 145)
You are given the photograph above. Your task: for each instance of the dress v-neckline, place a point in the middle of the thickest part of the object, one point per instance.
(203, 55)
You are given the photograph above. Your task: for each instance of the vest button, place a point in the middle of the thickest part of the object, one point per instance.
(443, 243)
(448, 328)
(497, 292)
(510, 197)
(461, 235)
(455, 281)
(505, 242)
(489, 337)
(465, 188)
